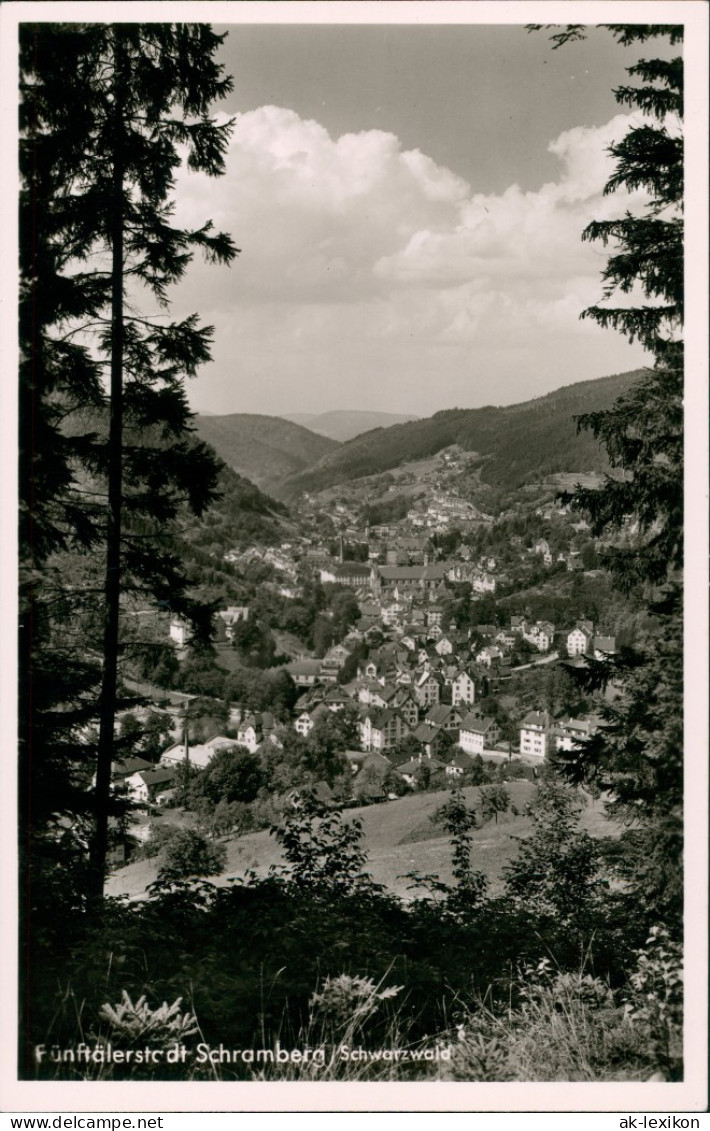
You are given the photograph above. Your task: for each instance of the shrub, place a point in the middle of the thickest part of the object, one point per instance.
(188, 853)
(322, 850)
(568, 1026)
(655, 1000)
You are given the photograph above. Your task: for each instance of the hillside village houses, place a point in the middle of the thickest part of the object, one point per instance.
(199, 754)
(424, 682)
(398, 691)
(540, 733)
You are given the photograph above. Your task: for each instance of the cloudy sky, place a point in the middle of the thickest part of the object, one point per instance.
(408, 201)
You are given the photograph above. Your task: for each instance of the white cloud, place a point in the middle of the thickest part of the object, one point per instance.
(361, 258)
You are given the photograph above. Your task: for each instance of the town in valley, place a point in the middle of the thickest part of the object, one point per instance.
(394, 635)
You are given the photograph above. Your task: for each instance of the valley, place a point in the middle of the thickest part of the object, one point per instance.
(379, 640)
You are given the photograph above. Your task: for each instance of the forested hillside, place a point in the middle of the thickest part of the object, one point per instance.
(346, 424)
(241, 513)
(265, 449)
(518, 443)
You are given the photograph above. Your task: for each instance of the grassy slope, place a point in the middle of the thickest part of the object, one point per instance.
(399, 838)
(265, 449)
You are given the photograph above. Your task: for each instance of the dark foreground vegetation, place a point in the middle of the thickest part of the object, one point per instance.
(563, 976)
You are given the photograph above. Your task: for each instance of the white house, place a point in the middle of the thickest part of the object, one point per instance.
(568, 732)
(458, 764)
(382, 729)
(541, 634)
(146, 784)
(307, 720)
(579, 640)
(199, 755)
(477, 734)
(535, 735)
(463, 690)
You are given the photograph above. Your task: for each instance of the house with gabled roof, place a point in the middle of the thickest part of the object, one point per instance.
(604, 646)
(408, 770)
(463, 689)
(394, 612)
(458, 764)
(484, 583)
(478, 733)
(305, 722)
(304, 673)
(230, 616)
(405, 674)
(382, 729)
(336, 698)
(427, 690)
(489, 656)
(444, 646)
(405, 701)
(370, 609)
(579, 641)
(446, 716)
(506, 638)
(144, 785)
(370, 692)
(541, 635)
(255, 728)
(536, 735)
(568, 732)
(199, 754)
(125, 768)
(485, 631)
(433, 739)
(337, 655)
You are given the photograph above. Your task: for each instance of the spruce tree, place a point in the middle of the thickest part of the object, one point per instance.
(637, 756)
(136, 99)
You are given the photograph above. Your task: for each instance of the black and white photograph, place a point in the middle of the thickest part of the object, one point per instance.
(361, 666)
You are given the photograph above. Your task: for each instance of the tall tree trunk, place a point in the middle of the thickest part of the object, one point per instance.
(112, 586)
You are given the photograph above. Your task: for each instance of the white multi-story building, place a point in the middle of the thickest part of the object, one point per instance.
(579, 640)
(463, 690)
(535, 735)
(477, 734)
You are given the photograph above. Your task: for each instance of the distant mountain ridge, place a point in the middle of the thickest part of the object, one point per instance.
(517, 443)
(264, 449)
(346, 424)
